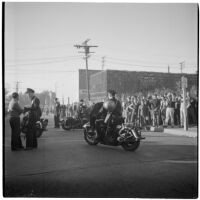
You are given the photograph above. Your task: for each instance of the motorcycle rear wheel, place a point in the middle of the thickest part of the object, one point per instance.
(131, 146)
(91, 140)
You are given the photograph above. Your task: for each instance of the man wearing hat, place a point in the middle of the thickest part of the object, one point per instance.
(15, 110)
(35, 114)
(112, 105)
(118, 109)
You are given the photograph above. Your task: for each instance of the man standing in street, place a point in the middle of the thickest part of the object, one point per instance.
(56, 113)
(34, 115)
(155, 105)
(170, 111)
(15, 110)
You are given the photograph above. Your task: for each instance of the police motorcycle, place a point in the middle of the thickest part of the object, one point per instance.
(112, 131)
(75, 122)
(41, 124)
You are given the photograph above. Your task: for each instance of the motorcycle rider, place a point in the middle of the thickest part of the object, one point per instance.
(117, 110)
(112, 106)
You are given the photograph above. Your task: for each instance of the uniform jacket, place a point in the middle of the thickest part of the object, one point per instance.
(35, 109)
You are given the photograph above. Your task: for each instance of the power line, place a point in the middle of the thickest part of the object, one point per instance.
(41, 59)
(45, 71)
(41, 63)
(45, 47)
(137, 65)
(140, 61)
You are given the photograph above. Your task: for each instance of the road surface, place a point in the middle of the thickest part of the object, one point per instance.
(64, 165)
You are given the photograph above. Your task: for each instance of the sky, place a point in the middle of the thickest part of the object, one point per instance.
(40, 39)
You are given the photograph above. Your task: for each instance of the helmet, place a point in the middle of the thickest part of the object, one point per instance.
(109, 105)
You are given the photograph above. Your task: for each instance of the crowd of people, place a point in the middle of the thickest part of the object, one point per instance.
(153, 110)
(156, 110)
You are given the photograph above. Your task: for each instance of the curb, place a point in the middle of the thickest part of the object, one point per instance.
(181, 132)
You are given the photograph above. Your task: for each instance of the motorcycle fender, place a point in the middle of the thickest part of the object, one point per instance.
(134, 134)
(86, 126)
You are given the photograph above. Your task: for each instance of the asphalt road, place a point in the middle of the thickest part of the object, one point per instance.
(64, 165)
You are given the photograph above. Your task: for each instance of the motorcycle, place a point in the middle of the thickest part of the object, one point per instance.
(126, 135)
(73, 123)
(41, 125)
(76, 122)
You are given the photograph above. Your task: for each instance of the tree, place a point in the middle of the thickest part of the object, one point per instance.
(7, 99)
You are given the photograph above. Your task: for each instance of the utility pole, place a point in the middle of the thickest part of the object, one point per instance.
(184, 86)
(103, 63)
(87, 52)
(182, 66)
(17, 86)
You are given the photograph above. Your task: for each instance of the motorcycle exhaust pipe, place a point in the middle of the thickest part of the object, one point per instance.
(131, 138)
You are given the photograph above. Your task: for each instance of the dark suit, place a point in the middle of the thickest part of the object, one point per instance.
(57, 110)
(34, 116)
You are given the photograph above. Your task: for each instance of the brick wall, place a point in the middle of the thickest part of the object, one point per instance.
(82, 82)
(98, 86)
(131, 82)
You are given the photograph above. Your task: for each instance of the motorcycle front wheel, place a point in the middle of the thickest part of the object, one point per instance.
(131, 146)
(66, 125)
(90, 139)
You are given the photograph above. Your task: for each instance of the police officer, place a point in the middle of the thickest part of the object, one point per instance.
(81, 109)
(117, 112)
(112, 105)
(34, 115)
(15, 110)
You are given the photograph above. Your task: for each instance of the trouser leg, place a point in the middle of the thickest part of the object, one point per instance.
(29, 137)
(97, 125)
(15, 133)
(171, 112)
(167, 116)
(35, 144)
(154, 117)
(193, 116)
(56, 120)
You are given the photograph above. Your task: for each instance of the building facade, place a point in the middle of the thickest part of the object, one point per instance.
(83, 82)
(131, 82)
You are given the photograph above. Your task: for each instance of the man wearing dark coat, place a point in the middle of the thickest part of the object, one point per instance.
(114, 106)
(57, 111)
(34, 116)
